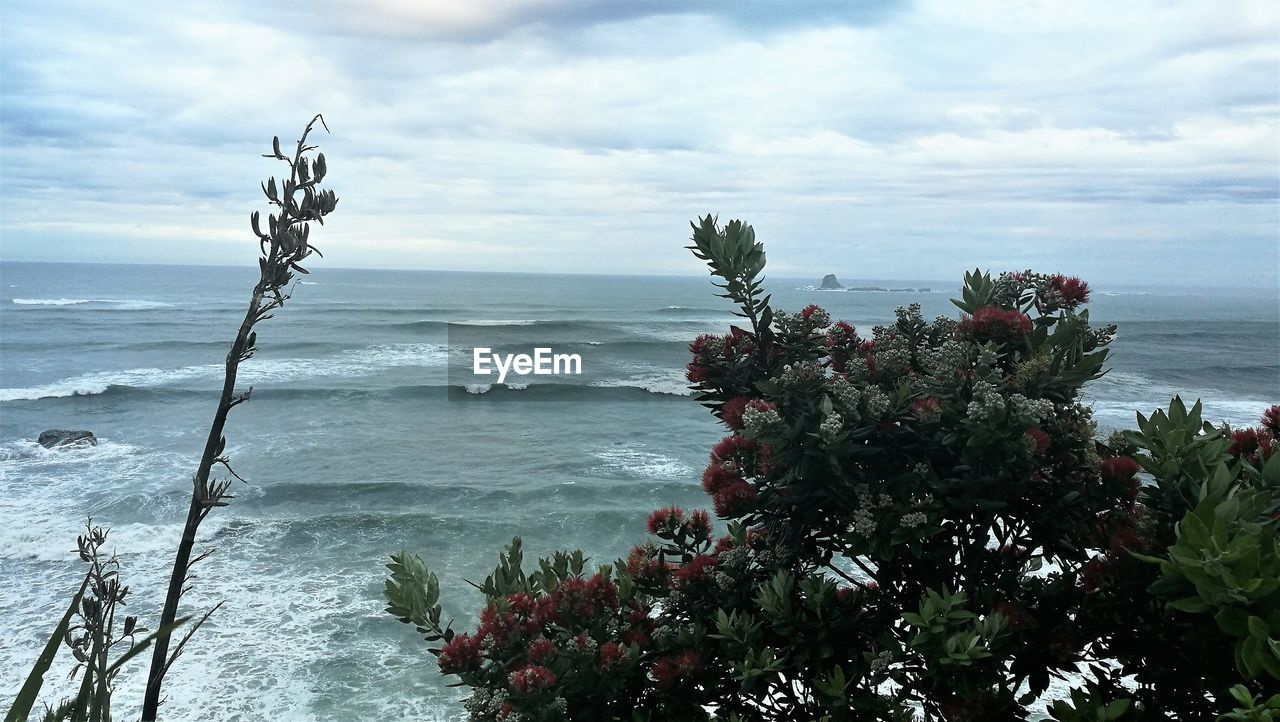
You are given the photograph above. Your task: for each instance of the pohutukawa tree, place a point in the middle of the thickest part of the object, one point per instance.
(919, 521)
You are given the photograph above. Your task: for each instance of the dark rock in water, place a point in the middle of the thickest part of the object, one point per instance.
(924, 290)
(829, 282)
(61, 437)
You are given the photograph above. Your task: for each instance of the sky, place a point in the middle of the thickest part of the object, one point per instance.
(1122, 142)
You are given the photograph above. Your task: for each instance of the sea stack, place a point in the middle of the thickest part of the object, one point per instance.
(829, 282)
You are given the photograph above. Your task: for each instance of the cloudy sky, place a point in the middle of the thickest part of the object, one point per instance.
(1119, 141)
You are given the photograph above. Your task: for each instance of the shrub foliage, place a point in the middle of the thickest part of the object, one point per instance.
(920, 522)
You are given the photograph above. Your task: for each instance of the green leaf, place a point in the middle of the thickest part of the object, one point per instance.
(1194, 605)
(1258, 628)
(20, 710)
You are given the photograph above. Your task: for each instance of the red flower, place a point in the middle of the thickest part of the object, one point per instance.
(696, 373)
(689, 661)
(520, 603)
(731, 411)
(699, 525)
(1097, 573)
(735, 499)
(461, 654)
(1254, 445)
(669, 670)
(1014, 615)
(611, 653)
(496, 626)
(1072, 290)
(603, 592)
(702, 344)
(545, 612)
(636, 637)
(642, 564)
(1039, 438)
(996, 324)
(723, 544)
(665, 518)
(764, 460)
(841, 334)
(1127, 538)
(664, 672)
(927, 408)
(532, 679)
(572, 598)
(814, 315)
(1271, 420)
(729, 447)
(1119, 469)
(716, 477)
(542, 651)
(697, 569)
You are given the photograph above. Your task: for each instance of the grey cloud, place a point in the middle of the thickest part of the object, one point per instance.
(910, 140)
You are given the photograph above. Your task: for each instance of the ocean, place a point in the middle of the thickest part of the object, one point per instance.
(353, 447)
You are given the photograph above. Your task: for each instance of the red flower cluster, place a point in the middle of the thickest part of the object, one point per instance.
(718, 476)
(522, 618)
(734, 499)
(841, 333)
(927, 409)
(1119, 469)
(1039, 439)
(732, 448)
(709, 351)
(1072, 291)
(1253, 445)
(580, 599)
(542, 651)
(996, 324)
(461, 654)
(610, 655)
(671, 523)
(815, 316)
(643, 564)
(1271, 420)
(731, 411)
(699, 568)
(842, 341)
(1122, 470)
(672, 669)
(696, 373)
(532, 679)
(1014, 615)
(665, 519)
(1097, 573)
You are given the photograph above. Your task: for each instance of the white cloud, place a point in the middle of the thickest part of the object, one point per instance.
(549, 135)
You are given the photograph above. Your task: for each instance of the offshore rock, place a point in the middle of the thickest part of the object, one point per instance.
(62, 437)
(829, 282)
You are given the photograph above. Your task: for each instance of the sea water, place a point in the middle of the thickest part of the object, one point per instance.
(353, 448)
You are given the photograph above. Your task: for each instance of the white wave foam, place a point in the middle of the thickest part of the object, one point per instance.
(667, 384)
(1116, 398)
(50, 301)
(127, 304)
(629, 461)
(478, 388)
(517, 387)
(355, 362)
(497, 322)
